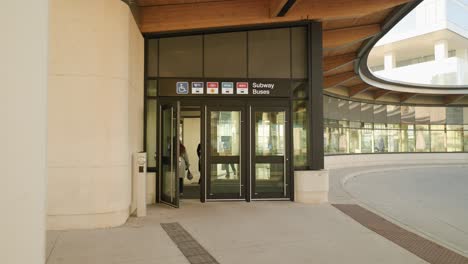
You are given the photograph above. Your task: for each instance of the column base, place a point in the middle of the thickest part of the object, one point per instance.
(311, 187)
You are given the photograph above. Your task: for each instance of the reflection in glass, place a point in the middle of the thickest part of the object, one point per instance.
(269, 177)
(151, 132)
(380, 138)
(420, 129)
(270, 152)
(168, 170)
(269, 131)
(225, 178)
(225, 129)
(454, 138)
(300, 133)
(438, 143)
(423, 138)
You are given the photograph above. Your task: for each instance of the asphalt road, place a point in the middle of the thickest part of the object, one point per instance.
(432, 201)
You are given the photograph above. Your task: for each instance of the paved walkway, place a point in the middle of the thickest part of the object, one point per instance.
(432, 200)
(233, 232)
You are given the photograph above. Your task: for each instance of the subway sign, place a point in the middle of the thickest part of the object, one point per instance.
(225, 88)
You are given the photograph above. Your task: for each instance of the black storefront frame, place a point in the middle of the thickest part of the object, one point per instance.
(220, 103)
(314, 93)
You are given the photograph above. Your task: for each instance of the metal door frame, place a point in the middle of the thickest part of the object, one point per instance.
(175, 118)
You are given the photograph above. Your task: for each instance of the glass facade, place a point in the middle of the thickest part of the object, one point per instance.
(278, 53)
(354, 127)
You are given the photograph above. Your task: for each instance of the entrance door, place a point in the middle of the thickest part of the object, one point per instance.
(169, 153)
(224, 168)
(269, 169)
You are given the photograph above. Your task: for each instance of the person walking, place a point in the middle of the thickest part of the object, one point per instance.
(184, 167)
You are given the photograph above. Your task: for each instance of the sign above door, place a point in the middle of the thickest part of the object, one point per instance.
(225, 88)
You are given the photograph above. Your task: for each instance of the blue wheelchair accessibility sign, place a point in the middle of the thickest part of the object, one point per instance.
(182, 88)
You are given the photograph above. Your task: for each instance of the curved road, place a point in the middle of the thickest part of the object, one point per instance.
(433, 200)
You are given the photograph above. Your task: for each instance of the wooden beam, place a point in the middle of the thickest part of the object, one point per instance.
(169, 2)
(451, 99)
(194, 14)
(406, 96)
(380, 93)
(357, 89)
(345, 36)
(334, 80)
(279, 8)
(341, 9)
(334, 62)
(276, 6)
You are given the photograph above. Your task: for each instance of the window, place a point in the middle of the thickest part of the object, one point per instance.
(226, 55)
(269, 53)
(180, 56)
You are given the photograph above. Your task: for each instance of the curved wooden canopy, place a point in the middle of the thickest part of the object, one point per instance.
(348, 25)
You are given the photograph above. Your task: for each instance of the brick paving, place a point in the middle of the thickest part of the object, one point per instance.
(421, 247)
(191, 249)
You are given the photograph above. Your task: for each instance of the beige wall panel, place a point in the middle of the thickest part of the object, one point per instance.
(95, 112)
(87, 121)
(89, 37)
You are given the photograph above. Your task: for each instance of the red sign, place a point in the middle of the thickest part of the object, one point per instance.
(242, 85)
(242, 88)
(212, 84)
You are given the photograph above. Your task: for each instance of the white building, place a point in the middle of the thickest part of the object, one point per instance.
(429, 46)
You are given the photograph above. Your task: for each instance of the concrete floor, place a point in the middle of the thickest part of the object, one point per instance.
(431, 200)
(233, 232)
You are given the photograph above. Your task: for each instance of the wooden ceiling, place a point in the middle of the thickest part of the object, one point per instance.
(347, 25)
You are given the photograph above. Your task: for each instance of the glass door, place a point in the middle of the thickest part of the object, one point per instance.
(269, 169)
(224, 163)
(169, 153)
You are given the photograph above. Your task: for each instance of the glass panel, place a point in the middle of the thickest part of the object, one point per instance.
(270, 146)
(151, 132)
(269, 131)
(438, 115)
(181, 56)
(152, 58)
(455, 140)
(343, 110)
(380, 113)
(167, 159)
(423, 115)
(465, 140)
(367, 113)
(225, 133)
(407, 115)
(300, 133)
(393, 140)
(225, 178)
(226, 55)
(454, 115)
(393, 114)
(423, 139)
(380, 138)
(269, 177)
(269, 53)
(354, 141)
(367, 143)
(354, 111)
(299, 52)
(152, 88)
(438, 138)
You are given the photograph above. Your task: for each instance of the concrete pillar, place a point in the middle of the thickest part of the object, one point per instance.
(95, 119)
(389, 61)
(23, 117)
(441, 50)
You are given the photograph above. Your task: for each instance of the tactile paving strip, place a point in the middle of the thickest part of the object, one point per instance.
(191, 249)
(421, 247)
